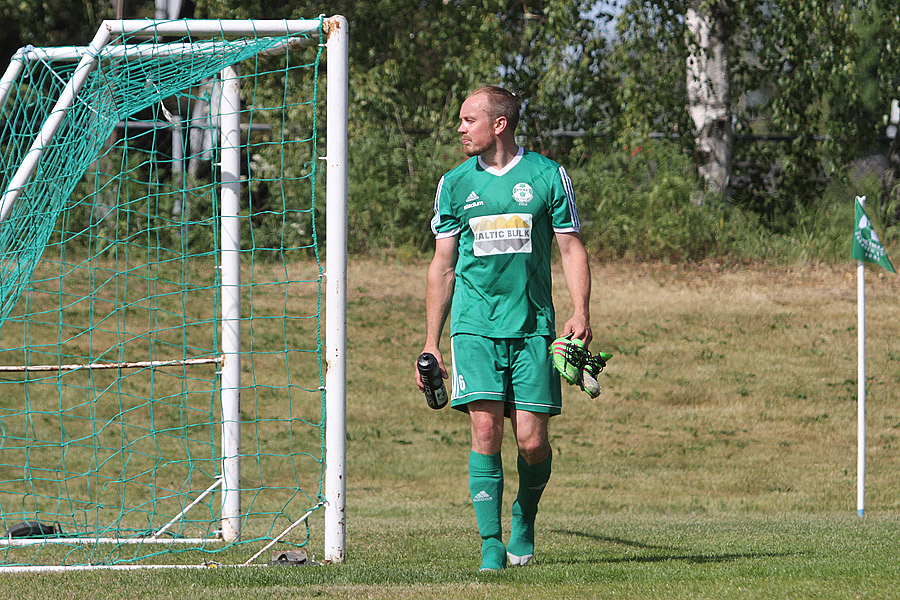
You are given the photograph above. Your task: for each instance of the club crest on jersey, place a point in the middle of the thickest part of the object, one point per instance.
(522, 194)
(501, 234)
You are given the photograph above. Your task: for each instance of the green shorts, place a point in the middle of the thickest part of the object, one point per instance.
(516, 371)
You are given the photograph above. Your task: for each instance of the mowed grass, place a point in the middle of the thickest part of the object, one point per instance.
(720, 461)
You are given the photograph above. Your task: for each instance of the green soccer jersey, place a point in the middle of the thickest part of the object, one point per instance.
(505, 222)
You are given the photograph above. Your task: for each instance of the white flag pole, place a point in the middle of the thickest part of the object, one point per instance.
(861, 383)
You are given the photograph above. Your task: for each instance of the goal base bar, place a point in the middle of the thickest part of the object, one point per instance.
(13, 542)
(65, 569)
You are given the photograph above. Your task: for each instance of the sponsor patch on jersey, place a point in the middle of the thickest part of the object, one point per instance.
(501, 234)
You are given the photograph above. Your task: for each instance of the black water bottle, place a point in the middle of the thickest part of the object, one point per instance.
(430, 372)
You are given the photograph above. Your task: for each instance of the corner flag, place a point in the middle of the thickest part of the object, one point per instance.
(866, 245)
(866, 248)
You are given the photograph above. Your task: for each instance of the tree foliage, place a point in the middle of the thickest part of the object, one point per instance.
(556, 59)
(880, 62)
(49, 22)
(810, 81)
(413, 62)
(807, 70)
(794, 79)
(650, 54)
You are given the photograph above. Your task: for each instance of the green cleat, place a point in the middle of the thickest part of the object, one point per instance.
(564, 353)
(578, 366)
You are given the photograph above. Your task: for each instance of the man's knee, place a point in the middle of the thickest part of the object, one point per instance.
(532, 438)
(534, 450)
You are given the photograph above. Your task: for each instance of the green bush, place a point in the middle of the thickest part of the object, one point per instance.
(640, 203)
(645, 204)
(391, 190)
(822, 230)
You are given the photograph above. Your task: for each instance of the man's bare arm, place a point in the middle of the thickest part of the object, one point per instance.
(438, 296)
(577, 271)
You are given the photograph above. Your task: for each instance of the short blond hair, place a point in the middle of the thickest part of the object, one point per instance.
(501, 103)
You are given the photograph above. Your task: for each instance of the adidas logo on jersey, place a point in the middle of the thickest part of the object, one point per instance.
(472, 201)
(482, 496)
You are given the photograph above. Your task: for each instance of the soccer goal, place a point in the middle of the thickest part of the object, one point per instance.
(172, 295)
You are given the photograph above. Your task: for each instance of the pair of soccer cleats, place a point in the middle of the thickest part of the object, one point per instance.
(511, 561)
(577, 365)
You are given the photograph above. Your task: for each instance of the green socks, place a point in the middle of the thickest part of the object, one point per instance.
(486, 486)
(532, 481)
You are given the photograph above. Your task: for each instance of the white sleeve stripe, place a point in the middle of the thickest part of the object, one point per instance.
(436, 219)
(570, 197)
(440, 236)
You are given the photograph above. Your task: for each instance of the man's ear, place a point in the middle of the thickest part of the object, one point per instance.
(500, 124)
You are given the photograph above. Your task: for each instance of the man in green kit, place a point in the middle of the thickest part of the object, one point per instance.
(496, 216)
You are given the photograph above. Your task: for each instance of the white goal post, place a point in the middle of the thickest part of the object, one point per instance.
(335, 277)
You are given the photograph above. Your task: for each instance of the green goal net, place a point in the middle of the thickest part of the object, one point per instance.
(162, 381)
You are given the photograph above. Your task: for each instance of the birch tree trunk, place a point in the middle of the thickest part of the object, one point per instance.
(709, 90)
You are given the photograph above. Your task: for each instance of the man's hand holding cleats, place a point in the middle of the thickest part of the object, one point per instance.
(577, 365)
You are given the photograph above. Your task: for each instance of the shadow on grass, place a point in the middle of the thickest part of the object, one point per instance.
(671, 553)
(611, 540)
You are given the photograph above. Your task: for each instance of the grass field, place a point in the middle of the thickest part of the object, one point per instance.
(720, 461)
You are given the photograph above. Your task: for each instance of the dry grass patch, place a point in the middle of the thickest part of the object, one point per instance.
(728, 390)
